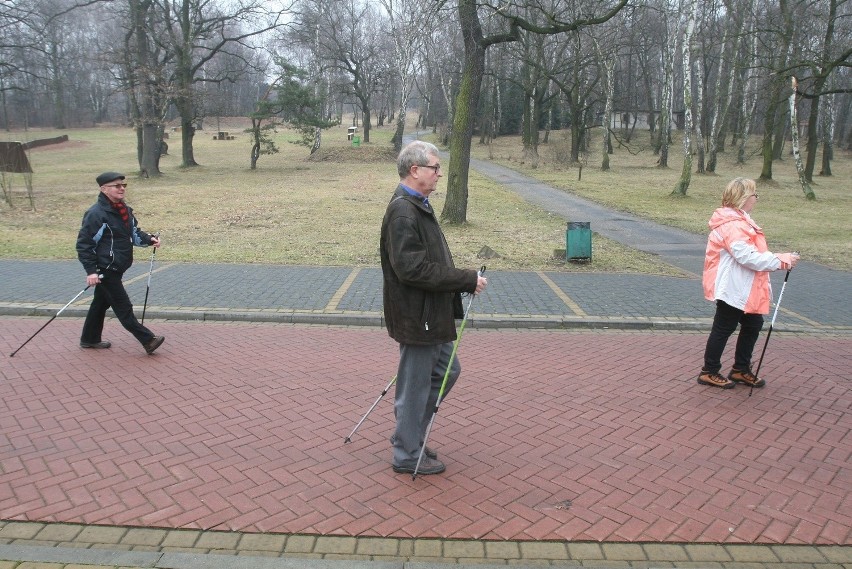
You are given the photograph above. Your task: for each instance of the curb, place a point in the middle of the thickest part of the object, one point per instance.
(129, 547)
(493, 322)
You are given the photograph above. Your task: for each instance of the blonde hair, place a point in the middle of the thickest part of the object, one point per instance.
(737, 192)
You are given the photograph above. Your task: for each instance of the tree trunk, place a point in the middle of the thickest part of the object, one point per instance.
(400, 130)
(722, 105)
(150, 166)
(665, 132)
(145, 80)
(699, 104)
(827, 136)
(772, 119)
(609, 67)
(467, 101)
(749, 96)
(819, 84)
(365, 112)
(187, 134)
(686, 173)
(806, 187)
(255, 147)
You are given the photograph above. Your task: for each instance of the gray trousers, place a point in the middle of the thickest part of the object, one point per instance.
(418, 382)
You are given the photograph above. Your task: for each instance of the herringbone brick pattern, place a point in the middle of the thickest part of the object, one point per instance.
(559, 435)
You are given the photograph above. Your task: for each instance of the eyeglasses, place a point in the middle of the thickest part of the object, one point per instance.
(436, 168)
(755, 196)
(116, 186)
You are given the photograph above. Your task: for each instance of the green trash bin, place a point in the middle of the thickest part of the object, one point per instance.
(578, 241)
(356, 140)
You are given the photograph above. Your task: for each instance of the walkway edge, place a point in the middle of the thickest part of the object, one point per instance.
(79, 544)
(342, 318)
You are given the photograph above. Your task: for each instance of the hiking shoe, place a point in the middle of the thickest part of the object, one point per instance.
(745, 376)
(427, 466)
(153, 344)
(95, 345)
(715, 380)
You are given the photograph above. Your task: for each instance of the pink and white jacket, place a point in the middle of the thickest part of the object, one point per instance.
(737, 262)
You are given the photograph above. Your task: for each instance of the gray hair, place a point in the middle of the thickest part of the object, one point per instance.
(416, 153)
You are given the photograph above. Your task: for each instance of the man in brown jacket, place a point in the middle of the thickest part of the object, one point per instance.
(421, 302)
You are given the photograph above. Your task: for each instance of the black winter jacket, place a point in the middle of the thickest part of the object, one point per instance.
(421, 285)
(105, 243)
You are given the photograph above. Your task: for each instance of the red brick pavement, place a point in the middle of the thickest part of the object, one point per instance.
(562, 435)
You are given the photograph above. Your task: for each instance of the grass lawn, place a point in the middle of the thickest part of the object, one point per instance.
(820, 230)
(327, 209)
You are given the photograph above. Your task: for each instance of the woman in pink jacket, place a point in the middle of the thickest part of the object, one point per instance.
(736, 277)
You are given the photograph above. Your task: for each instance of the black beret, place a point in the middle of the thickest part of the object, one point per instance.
(108, 177)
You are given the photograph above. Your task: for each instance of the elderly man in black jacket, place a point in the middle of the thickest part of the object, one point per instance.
(421, 302)
(105, 248)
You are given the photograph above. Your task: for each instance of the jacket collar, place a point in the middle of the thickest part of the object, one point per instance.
(106, 204)
(419, 201)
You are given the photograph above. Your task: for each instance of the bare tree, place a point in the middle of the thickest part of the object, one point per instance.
(686, 52)
(198, 31)
(346, 38)
(405, 17)
(725, 79)
(577, 77)
(145, 80)
(826, 63)
(608, 62)
(803, 181)
(749, 96)
(664, 134)
(559, 20)
(778, 56)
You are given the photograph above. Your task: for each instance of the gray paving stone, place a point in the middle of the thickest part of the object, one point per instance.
(110, 557)
(798, 554)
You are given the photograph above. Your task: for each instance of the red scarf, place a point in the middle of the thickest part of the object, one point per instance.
(122, 211)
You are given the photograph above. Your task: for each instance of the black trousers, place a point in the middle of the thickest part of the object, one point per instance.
(110, 292)
(724, 323)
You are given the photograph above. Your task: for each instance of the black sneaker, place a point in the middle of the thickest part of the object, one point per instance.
(95, 345)
(153, 344)
(427, 466)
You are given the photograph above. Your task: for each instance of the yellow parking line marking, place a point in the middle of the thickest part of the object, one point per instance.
(338, 295)
(569, 302)
(799, 316)
(144, 276)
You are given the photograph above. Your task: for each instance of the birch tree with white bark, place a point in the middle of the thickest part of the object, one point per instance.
(794, 132)
(686, 50)
(405, 28)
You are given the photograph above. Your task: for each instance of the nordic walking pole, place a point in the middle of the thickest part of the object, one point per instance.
(370, 410)
(51, 320)
(771, 324)
(446, 377)
(148, 288)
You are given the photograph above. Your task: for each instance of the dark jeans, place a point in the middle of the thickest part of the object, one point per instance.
(110, 293)
(724, 323)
